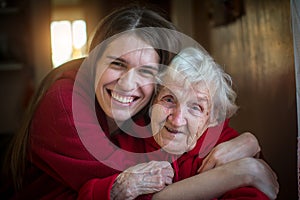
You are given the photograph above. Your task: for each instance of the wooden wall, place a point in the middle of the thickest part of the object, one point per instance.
(257, 51)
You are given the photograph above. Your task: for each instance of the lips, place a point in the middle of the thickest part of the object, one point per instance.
(122, 98)
(171, 130)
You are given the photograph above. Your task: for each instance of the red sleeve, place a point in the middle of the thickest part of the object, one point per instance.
(58, 151)
(97, 188)
(214, 136)
(227, 132)
(245, 193)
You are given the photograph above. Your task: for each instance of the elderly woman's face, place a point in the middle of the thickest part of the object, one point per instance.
(180, 115)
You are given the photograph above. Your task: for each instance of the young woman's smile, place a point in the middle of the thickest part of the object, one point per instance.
(125, 79)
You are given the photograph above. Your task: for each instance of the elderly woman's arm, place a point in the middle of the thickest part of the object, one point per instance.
(215, 182)
(144, 178)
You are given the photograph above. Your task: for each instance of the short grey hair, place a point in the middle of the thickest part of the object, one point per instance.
(196, 65)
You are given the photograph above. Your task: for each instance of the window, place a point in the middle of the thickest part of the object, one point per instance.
(68, 40)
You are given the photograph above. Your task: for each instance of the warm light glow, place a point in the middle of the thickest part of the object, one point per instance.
(61, 42)
(79, 34)
(68, 40)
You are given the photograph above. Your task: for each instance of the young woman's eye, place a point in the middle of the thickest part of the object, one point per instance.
(146, 72)
(118, 64)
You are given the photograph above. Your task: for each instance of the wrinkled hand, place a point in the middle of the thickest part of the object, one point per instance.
(141, 179)
(245, 145)
(258, 174)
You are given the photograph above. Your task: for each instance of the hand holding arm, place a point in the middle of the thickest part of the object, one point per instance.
(261, 176)
(245, 145)
(217, 181)
(141, 179)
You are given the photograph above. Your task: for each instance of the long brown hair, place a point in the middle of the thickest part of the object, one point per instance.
(124, 19)
(15, 161)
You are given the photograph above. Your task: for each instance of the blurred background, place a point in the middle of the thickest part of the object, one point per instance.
(251, 39)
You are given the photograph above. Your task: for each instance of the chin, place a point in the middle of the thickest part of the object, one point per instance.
(121, 115)
(174, 150)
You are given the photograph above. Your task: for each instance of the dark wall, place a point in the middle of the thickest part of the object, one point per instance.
(257, 51)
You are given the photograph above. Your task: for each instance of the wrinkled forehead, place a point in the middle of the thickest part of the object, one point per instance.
(181, 86)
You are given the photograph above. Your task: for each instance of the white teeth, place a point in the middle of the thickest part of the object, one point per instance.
(122, 99)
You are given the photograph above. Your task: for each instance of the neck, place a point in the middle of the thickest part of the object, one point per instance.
(113, 125)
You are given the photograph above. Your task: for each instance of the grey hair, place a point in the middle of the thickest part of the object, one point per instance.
(196, 65)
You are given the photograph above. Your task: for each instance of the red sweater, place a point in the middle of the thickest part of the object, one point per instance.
(187, 164)
(71, 153)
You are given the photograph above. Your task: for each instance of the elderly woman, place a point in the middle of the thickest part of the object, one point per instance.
(193, 100)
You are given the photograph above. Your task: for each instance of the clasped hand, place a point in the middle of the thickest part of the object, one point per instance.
(143, 178)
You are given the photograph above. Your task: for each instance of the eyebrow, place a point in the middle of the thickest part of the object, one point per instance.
(124, 61)
(117, 58)
(204, 98)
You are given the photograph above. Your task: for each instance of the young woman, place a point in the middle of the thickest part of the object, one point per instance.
(69, 146)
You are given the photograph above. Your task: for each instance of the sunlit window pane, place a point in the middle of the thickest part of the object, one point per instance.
(68, 40)
(79, 33)
(61, 42)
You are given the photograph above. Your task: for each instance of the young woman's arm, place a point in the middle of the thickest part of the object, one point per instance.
(216, 182)
(244, 145)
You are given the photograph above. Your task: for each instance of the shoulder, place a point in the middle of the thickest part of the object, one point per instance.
(57, 87)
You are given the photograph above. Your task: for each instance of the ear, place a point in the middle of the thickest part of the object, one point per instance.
(213, 121)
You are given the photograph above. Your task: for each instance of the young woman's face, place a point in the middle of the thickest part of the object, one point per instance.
(125, 77)
(179, 116)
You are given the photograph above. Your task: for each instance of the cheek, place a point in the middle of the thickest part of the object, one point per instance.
(198, 127)
(148, 91)
(102, 77)
(159, 113)
(158, 118)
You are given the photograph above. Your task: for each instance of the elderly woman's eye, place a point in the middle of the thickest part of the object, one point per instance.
(168, 99)
(197, 108)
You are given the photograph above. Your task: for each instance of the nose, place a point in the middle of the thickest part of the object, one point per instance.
(177, 117)
(128, 81)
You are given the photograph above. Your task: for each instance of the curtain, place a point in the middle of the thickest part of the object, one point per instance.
(295, 15)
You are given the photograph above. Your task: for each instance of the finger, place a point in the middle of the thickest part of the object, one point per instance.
(269, 190)
(152, 183)
(160, 164)
(154, 166)
(269, 169)
(164, 172)
(208, 163)
(273, 186)
(124, 193)
(169, 181)
(168, 172)
(168, 176)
